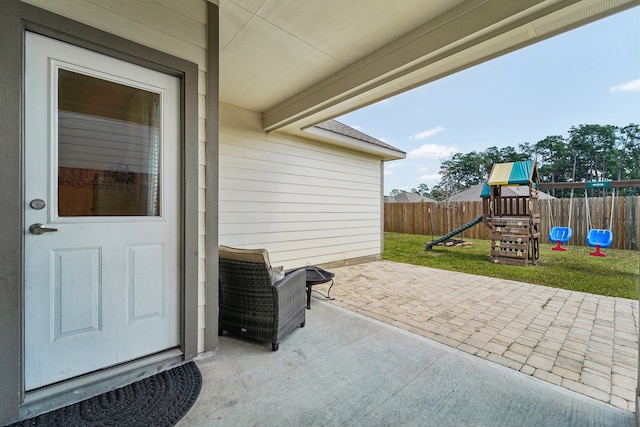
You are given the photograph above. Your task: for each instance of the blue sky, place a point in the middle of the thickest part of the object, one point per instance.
(590, 75)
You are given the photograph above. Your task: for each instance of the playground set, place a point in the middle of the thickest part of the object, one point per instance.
(597, 238)
(515, 220)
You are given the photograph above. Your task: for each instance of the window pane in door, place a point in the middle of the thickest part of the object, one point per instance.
(108, 148)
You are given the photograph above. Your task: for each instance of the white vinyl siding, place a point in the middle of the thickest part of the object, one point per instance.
(176, 28)
(87, 141)
(305, 202)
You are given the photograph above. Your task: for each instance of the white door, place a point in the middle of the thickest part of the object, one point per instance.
(101, 179)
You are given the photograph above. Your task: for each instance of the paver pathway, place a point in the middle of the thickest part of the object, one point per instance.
(583, 342)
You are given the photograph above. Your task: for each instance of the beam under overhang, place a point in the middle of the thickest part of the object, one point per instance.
(453, 34)
(397, 58)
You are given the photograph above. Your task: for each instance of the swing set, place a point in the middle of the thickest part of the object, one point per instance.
(598, 238)
(560, 235)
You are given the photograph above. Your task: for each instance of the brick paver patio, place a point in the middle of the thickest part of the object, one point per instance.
(583, 342)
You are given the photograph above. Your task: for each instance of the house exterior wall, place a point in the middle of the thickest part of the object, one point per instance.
(175, 28)
(308, 203)
(305, 202)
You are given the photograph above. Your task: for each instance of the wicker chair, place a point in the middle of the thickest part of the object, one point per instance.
(251, 303)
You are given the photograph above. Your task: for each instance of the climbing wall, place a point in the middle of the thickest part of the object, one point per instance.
(514, 241)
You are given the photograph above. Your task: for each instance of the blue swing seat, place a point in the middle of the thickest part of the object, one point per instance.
(599, 239)
(602, 238)
(560, 234)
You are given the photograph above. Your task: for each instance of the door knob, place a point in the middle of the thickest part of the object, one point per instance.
(39, 229)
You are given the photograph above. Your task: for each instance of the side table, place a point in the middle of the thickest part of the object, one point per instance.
(317, 276)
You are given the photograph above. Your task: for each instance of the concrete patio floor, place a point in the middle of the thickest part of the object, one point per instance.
(345, 369)
(581, 342)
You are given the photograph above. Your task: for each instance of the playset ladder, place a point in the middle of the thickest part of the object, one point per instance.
(514, 241)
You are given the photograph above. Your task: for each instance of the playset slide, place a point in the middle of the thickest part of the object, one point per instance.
(470, 224)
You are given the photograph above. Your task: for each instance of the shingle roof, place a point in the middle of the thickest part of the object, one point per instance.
(406, 197)
(342, 129)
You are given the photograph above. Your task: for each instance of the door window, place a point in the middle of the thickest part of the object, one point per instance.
(108, 148)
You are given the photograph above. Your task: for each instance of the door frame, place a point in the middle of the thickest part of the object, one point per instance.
(16, 18)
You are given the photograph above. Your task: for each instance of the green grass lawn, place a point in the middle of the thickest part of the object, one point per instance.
(616, 275)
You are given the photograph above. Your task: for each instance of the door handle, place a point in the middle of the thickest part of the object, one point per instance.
(39, 229)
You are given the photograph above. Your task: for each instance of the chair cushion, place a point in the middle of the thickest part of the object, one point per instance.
(259, 256)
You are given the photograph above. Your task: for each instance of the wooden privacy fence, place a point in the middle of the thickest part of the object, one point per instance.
(439, 218)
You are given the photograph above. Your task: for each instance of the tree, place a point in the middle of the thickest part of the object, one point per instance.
(462, 171)
(594, 148)
(554, 160)
(597, 151)
(527, 149)
(437, 193)
(628, 145)
(423, 190)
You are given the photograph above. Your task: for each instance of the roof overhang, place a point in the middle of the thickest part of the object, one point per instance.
(302, 63)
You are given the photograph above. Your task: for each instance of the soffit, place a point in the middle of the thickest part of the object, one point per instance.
(272, 49)
(301, 62)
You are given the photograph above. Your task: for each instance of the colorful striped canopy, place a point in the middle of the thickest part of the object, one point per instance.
(486, 190)
(514, 173)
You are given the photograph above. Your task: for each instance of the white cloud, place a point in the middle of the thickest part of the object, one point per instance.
(433, 151)
(390, 166)
(632, 86)
(430, 177)
(427, 133)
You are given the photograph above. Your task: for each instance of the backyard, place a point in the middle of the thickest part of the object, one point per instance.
(616, 275)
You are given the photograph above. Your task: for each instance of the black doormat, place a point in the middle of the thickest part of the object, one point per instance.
(160, 400)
